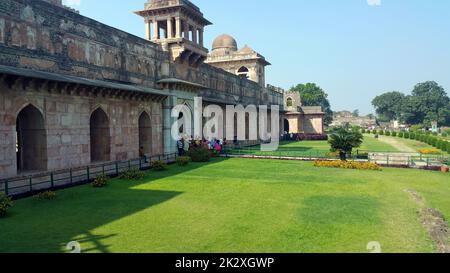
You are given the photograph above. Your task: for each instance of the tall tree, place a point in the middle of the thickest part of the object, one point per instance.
(432, 103)
(428, 102)
(389, 105)
(312, 95)
(355, 113)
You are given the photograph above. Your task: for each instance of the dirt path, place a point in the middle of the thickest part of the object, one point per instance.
(434, 222)
(402, 147)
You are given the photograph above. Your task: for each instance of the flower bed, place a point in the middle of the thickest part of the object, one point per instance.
(430, 151)
(348, 165)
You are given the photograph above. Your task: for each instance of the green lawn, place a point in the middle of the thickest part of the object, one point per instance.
(414, 144)
(374, 145)
(234, 205)
(370, 144)
(314, 148)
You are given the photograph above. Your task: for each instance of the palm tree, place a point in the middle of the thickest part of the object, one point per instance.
(343, 141)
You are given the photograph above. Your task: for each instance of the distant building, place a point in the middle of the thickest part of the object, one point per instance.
(306, 121)
(344, 118)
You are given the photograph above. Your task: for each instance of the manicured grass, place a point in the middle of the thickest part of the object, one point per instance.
(369, 143)
(234, 205)
(414, 144)
(374, 145)
(315, 149)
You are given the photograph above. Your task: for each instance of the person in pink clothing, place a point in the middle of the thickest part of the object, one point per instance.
(218, 148)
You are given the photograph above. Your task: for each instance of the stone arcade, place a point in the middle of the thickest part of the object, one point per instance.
(74, 91)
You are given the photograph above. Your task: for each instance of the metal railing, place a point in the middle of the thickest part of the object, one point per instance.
(29, 185)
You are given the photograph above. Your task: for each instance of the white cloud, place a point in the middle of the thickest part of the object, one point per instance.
(374, 2)
(72, 2)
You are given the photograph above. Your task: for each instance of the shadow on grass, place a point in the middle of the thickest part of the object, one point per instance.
(330, 210)
(47, 226)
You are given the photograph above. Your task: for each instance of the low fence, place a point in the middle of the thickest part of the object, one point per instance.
(412, 160)
(29, 185)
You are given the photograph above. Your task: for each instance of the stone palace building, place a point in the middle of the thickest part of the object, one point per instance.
(74, 91)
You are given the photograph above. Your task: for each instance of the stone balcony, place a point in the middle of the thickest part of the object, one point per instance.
(184, 50)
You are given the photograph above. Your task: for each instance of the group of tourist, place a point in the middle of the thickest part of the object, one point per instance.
(214, 145)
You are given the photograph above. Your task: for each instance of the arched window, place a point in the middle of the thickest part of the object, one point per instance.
(31, 143)
(289, 102)
(100, 136)
(243, 72)
(145, 133)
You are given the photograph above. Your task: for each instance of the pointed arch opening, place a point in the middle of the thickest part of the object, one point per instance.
(31, 145)
(100, 136)
(243, 72)
(289, 102)
(145, 134)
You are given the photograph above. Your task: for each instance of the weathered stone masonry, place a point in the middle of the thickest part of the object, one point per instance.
(66, 80)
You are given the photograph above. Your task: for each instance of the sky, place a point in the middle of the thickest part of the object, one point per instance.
(353, 49)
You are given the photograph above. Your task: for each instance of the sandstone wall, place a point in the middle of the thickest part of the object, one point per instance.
(38, 35)
(67, 125)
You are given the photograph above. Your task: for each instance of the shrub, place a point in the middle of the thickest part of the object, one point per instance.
(363, 155)
(439, 143)
(434, 141)
(46, 195)
(448, 147)
(374, 132)
(401, 134)
(394, 134)
(406, 135)
(388, 133)
(100, 181)
(344, 141)
(159, 165)
(444, 134)
(381, 133)
(418, 136)
(348, 165)
(422, 137)
(199, 154)
(430, 151)
(412, 136)
(183, 160)
(5, 204)
(435, 133)
(133, 174)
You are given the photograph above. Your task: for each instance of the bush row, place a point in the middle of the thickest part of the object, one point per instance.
(428, 138)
